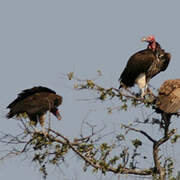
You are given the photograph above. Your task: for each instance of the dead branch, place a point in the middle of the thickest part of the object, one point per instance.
(140, 131)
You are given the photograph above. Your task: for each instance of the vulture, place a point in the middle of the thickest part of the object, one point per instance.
(35, 102)
(144, 65)
(168, 100)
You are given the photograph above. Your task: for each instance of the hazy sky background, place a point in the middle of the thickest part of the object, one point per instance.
(40, 40)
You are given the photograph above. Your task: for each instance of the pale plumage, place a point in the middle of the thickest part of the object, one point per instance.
(169, 97)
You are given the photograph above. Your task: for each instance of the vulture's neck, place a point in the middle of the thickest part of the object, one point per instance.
(152, 46)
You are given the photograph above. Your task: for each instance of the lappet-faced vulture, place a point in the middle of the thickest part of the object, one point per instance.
(35, 102)
(144, 65)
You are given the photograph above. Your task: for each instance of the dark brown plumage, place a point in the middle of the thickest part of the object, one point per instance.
(35, 102)
(144, 65)
(169, 97)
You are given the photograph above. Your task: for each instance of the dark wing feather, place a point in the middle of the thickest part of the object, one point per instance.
(137, 64)
(169, 96)
(165, 58)
(160, 64)
(34, 104)
(28, 92)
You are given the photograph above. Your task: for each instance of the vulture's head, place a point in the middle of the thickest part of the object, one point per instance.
(151, 42)
(57, 100)
(148, 39)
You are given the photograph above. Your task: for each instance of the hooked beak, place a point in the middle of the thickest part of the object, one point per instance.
(57, 114)
(143, 39)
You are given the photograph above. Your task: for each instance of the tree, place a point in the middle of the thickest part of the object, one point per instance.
(120, 154)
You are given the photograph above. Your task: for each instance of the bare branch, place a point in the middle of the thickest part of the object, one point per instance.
(140, 131)
(156, 146)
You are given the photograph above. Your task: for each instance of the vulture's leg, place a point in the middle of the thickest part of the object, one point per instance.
(146, 89)
(33, 122)
(143, 92)
(141, 82)
(42, 121)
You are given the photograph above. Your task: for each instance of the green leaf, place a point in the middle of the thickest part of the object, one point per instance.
(90, 84)
(99, 72)
(70, 75)
(136, 143)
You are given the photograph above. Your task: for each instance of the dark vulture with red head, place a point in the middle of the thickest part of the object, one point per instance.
(144, 65)
(169, 97)
(35, 102)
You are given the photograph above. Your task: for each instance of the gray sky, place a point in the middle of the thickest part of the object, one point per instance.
(40, 40)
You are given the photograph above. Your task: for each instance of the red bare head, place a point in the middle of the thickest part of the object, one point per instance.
(148, 39)
(151, 40)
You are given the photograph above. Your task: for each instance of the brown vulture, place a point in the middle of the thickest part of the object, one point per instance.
(169, 97)
(144, 65)
(35, 102)
(168, 101)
